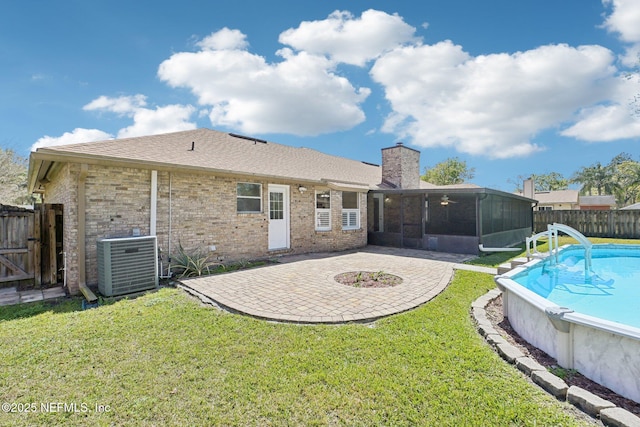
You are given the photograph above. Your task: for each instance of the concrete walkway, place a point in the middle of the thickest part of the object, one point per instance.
(301, 288)
(11, 296)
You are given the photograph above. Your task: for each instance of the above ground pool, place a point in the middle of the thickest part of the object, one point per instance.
(585, 314)
(610, 290)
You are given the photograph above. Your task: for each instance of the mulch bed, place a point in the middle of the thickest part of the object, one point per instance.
(368, 279)
(502, 325)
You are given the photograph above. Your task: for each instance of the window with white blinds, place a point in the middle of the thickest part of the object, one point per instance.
(350, 210)
(323, 210)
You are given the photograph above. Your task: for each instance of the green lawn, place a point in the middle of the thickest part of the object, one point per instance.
(497, 258)
(164, 359)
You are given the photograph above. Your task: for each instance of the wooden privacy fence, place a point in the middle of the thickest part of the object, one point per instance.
(30, 246)
(17, 262)
(614, 224)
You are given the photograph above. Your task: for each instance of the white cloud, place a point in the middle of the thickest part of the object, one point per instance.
(489, 105)
(39, 77)
(224, 39)
(300, 95)
(76, 136)
(604, 123)
(124, 105)
(624, 20)
(170, 118)
(631, 57)
(616, 120)
(350, 40)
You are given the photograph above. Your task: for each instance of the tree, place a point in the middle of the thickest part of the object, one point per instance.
(450, 171)
(619, 159)
(552, 181)
(596, 177)
(634, 104)
(626, 180)
(13, 178)
(620, 178)
(603, 179)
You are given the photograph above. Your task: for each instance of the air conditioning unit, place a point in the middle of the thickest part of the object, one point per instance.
(127, 264)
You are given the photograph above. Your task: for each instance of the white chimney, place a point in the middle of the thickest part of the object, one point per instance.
(528, 189)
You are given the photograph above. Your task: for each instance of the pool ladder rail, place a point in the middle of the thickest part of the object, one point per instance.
(552, 235)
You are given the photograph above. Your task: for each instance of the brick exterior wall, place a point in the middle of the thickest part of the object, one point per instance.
(305, 238)
(117, 201)
(203, 213)
(63, 190)
(199, 209)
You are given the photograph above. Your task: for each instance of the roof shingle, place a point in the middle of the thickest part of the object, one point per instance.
(225, 153)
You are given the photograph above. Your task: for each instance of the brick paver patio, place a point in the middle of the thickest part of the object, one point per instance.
(301, 287)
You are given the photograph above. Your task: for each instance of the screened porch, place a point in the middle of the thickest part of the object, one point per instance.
(448, 220)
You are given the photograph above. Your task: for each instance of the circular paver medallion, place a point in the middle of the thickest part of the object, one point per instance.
(368, 279)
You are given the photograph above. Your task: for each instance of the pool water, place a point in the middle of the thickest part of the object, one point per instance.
(610, 291)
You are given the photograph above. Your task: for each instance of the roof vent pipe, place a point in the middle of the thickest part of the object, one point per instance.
(193, 146)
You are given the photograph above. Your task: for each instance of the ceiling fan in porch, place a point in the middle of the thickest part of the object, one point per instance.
(444, 200)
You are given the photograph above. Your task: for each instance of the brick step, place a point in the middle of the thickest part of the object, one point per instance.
(504, 268)
(518, 261)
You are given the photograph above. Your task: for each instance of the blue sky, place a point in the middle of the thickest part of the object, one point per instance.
(512, 87)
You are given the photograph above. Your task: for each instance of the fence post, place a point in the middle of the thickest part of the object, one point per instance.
(611, 225)
(37, 246)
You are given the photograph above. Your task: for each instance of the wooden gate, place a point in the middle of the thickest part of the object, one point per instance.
(31, 246)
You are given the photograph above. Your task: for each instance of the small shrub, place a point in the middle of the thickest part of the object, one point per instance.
(562, 373)
(193, 264)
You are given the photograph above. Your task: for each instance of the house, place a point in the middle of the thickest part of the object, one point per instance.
(633, 207)
(557, 200)
(246, 198)
(597, 203)
(564, 200)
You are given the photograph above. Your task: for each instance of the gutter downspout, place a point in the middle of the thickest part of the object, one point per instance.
(479, 229)
(82, 205)
(170, 198)
(168, 275)
(478, 218)
(154, 203)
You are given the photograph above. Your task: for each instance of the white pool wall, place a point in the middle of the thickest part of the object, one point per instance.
(606, 352)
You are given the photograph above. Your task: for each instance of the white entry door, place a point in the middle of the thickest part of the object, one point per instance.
(278, 216)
